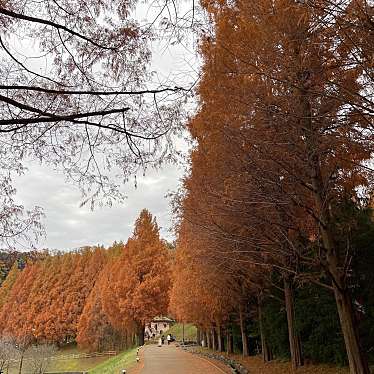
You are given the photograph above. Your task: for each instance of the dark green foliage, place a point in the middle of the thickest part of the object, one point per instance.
(237, 337)
(354, 231)
(21, 263)
(317, 320)
(234, 328)
(275, 328)
(363, 278)
(7, 259)
(317, 323)
(4, 270)
(254, 339)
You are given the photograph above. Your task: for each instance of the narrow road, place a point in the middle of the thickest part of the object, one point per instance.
(173, 360)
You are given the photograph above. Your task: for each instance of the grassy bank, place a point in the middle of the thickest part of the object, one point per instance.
(190, 332)
(113, 365)
(81, 364)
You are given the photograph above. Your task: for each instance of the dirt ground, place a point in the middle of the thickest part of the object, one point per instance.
(255, 365)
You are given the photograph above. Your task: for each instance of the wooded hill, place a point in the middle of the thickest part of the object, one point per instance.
(99, 297)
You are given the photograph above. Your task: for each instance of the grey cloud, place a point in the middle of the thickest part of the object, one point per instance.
(69, 226)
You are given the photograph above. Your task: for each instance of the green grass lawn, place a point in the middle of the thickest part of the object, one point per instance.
(82, 364)
(190, 331)
(113, 365)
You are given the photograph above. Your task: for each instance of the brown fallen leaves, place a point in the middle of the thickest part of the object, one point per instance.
(257, 366)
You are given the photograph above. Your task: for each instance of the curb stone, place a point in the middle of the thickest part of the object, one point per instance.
(236, 367)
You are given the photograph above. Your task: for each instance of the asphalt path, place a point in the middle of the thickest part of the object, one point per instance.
(173, 360)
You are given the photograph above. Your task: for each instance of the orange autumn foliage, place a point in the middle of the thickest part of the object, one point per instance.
(99, 298)
(8, 284)
(139, 279)
(283, 130)
(48, 297)
(95, 331)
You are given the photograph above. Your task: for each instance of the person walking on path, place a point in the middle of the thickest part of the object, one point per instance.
(168, 338)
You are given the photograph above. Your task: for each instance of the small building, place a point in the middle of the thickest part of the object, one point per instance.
(158, 326)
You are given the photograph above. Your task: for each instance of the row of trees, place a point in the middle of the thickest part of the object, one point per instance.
(280, 184)
(130, 291)
(100, 298)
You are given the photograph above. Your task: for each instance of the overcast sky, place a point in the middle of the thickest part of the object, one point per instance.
(68, 226)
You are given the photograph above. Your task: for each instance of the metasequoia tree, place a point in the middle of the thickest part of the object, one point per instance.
(8, 283)
(13, 313)
(231, 217)
(200, 294)
(48, 297)
(77, 94)
(139, 279)
(74, 276)
(283, 95)
(95, 331)
(213, 282)
(64, 297)
(243, 229)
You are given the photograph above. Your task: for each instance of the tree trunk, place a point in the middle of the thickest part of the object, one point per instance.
(214, 340)
(20, 364)
(265, 349)
(134, 341)
(229, 342)
(205, 338)
(358, 363)
(208, 340)
(357, 359)
(295, 349)
(220, 342)
(128, 340)
(140, 336)
(198, 336)
(245, 350)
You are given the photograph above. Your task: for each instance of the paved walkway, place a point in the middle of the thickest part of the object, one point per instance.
(173, 360)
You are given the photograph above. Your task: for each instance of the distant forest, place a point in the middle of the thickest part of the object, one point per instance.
(100, 298)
